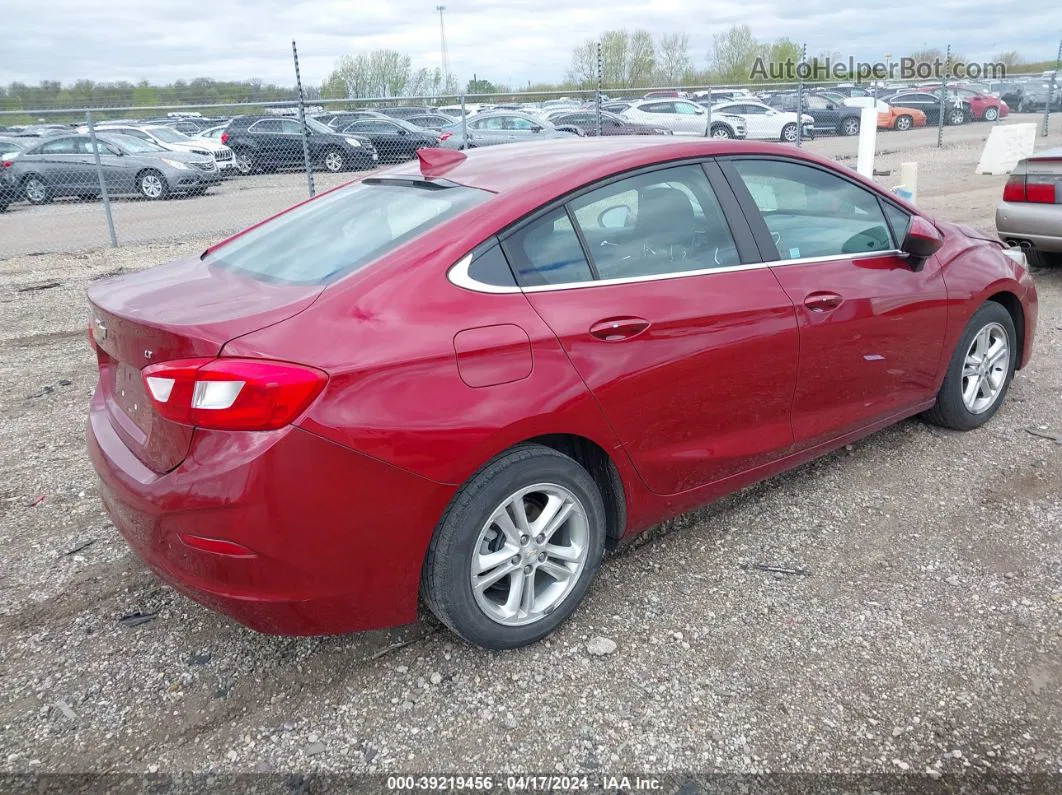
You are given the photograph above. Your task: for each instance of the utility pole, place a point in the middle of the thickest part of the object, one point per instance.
(443, 51)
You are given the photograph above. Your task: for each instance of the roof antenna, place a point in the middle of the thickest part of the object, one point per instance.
(436, 162)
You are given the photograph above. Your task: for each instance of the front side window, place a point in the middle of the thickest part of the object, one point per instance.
(290, 127)
(342, 231)
(518, 123)
(812, 213)
(686, 109)
(656, 223)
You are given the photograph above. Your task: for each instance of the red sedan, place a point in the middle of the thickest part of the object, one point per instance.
(465, 377)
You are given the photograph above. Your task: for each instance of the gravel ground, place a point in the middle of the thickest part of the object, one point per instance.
(925, 634)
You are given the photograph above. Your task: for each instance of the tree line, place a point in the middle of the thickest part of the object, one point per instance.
(630, 59)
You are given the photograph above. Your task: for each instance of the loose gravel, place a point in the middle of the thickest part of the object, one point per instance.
(912, 624)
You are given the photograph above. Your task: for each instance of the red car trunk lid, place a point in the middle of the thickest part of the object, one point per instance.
(181, 310)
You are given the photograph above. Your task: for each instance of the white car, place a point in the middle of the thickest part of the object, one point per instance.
(175, 141)
(683, 117)
(763, 123)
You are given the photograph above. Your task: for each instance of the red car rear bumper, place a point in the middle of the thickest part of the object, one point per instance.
(330, 541)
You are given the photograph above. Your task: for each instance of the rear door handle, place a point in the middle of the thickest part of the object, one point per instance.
(615, 329)
(822, 301)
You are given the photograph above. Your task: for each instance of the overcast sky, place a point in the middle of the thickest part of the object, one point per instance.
(508, 41)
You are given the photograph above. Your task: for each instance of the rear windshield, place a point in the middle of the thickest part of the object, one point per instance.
(342, 231)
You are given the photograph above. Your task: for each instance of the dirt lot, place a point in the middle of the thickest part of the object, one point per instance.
(927, 636)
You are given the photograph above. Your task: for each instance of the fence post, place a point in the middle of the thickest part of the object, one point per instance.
(302, 123)
(708, 121)
(464, 124)
(800, 94)
(943, 98)
(597, 101)
(1051, 90)
(103, 182)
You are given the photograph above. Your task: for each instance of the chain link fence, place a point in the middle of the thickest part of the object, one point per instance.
(79, 178)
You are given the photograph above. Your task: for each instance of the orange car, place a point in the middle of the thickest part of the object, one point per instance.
(899, 118)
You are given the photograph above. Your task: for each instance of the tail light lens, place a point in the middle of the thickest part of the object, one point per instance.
(224, 138)
(1030, 189)
(445, 135)
(232, 394)
(7, 163)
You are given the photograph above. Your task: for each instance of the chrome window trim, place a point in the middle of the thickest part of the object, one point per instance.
(458, 273)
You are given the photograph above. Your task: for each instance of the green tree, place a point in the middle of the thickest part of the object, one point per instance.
(733, 54)
(673, 62)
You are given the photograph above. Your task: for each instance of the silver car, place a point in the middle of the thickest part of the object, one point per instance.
(66, 166)
(501, 127)
(1030, 215)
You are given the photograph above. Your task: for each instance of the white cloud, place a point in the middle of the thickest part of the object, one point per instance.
(509, 41)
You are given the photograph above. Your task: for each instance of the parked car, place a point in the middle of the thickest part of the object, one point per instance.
(404, 111)
(432, 121)
(66, 166)
(611, 124)
(598, 341)
(489, 128)
(714, 96)
(339, 119)
(394, 140)
(955, 110)
(616, 106)
(828, 116)
(984, 106)
(1030, 215)
(683, 117)
(764, 123)
(9, 187)
(897, 117)
(267, 143)
(1035, 97)
(214, 133)
(175, 141)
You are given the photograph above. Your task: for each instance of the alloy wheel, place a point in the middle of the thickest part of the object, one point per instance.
(36, 191)
(530, 554)
(903, 123)
(851, 126)
(985, 368)
(333, 161)
(151, 186)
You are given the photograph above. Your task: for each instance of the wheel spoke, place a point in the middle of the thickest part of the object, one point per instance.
(487, 580)
(969, 394)
(527, 599)
(996, 353)
(518, 511)
(556, 571)
(493, 560)
(553, 516)
(504, 521)
(570, 554)
(516, 592)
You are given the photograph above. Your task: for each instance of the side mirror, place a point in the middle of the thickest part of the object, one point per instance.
(403, 131)
(536, 129)
(921, 242)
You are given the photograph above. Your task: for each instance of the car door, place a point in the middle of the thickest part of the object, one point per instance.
(289, 143)
(871, 326)
(689, 345)
(824, 113)
(267, 133)
(690, 118)
(520, 129)
(111, 164)
(65, 171)
(926, 103)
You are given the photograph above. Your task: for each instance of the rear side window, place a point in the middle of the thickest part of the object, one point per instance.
(547, 252)
(342, 231)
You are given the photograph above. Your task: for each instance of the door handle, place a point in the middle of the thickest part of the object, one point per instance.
(823, 301)
(615, 329)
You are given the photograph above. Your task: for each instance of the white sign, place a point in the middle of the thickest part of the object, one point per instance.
(1006, 145)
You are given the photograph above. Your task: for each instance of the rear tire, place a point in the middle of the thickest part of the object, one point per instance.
(850, 126)
(980, 371)
(36, 190)
(482, 527)
(991, 114)
(956, 116)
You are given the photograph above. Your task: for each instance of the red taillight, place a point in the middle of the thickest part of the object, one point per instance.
(1014, 190)
(232, 394)
(224, 138)
(7, 163)
(445, 135)
(1040, 192)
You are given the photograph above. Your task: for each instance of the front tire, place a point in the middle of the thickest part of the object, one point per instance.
(980, 371)
(516, 550)
(789, 133)
(333, 161)
(720, 131)
(904, 123)
(152, 185)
